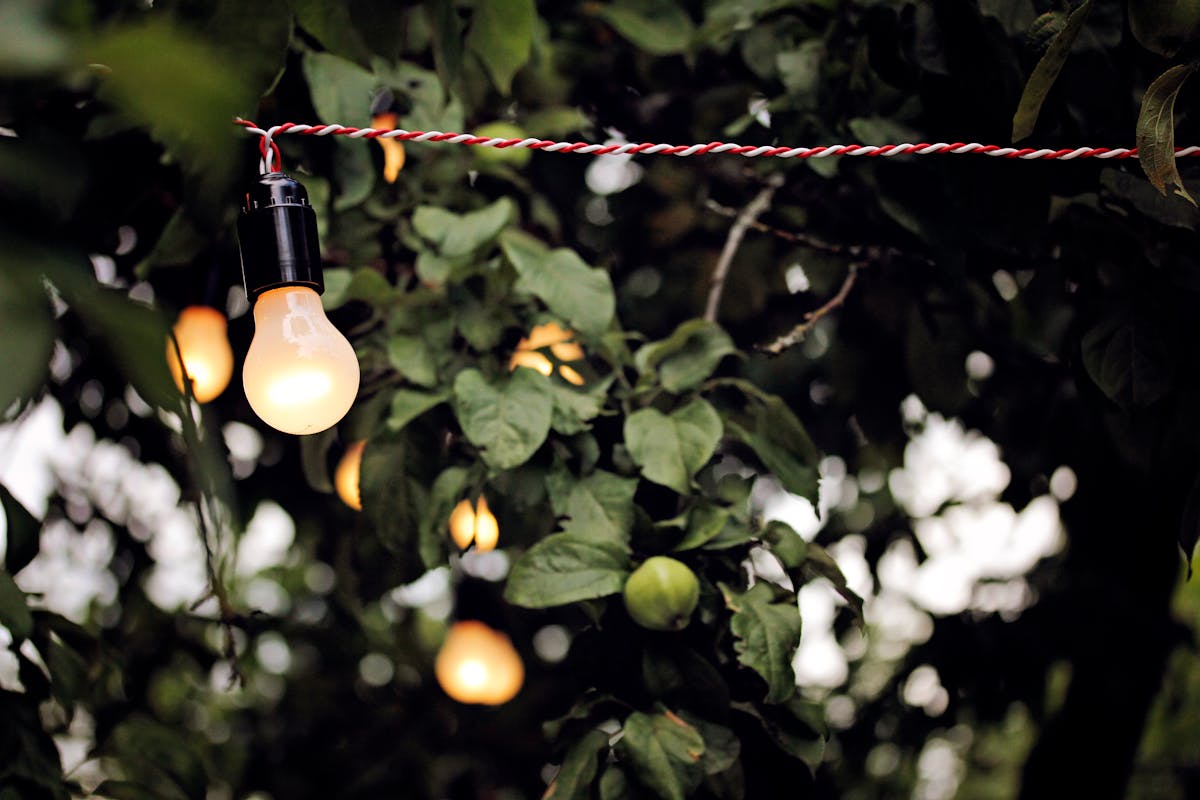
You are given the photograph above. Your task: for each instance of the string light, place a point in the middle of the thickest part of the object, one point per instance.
(479, 665)
(346, 476)
(201, 333)
(301, 375)
(476, 525)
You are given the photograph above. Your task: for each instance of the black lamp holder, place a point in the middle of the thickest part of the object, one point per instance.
(277, 232)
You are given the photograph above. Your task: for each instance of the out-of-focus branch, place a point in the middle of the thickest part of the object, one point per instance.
(797, 334)
(746, 219)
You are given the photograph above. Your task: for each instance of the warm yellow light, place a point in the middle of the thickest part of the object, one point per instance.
(462, 524)
(476, 524)
(345, 477)
(393, 149)
(479, 665)
(301, 375)
(560, 342)
(207, 356)
(532, 359)
(487, 530)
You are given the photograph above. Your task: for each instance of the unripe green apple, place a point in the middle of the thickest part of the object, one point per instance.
(661, 594)
(514, 156)
(1164, 26)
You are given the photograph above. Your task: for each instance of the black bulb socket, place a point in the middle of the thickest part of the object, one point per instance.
(277, 233)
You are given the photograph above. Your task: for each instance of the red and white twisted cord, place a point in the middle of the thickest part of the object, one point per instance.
(270, 151)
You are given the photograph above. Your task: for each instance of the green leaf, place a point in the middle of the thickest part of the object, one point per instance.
(314, 459)
(412, 358)
(456, 235)
(342, 91)
(1156, 131)
(447, 490)
(600, 507)
(181, 88)
(408, 404)
(818, 563)
(1046, 72)
(501, 35)
(388, 500)
(507, 421)
(660, 27)
(446, 38)
(721, 745)
(614, 785)
(564, 569)
(343, 285)
(670, 449)
(255, 36)
(331, 25)
(125, 328)
(787, 545)
(23, 533)
(26, 333)
(663, 752)
(574, 407)
(581, 295)
(705, 522)
(578, 770)
(1128, 359)
(687, 356)
(780, 441)
(797, 727)
(768, 634)
(14, 613)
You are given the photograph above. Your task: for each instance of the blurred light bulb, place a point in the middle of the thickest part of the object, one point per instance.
(479, 665)
(476, 525)
(204, 346)
(560, 342)
(393, 150)
(345, 477)
(301, 375)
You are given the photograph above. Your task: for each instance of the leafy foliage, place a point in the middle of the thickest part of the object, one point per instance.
(1076, 280)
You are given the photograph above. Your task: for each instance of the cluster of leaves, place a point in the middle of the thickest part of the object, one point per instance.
(1076, 279)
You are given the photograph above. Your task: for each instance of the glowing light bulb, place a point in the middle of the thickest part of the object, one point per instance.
(345, 477)
(560, 342)
(479, 665)
(476, 525)
(204, 346)
(301, 375)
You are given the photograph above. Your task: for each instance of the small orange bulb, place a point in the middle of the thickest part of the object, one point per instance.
(345, 478)
(476, 524)
(204, 346)
(560, 342)
(479, 665)
(393, 150)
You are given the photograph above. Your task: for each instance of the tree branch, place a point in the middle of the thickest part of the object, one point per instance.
(745, 219)
(797, 334)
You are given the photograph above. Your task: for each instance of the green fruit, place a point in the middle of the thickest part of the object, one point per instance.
(1164, 26)
(661, 594)
(517, 157)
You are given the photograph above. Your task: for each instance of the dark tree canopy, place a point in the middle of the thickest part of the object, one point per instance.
(933, 420)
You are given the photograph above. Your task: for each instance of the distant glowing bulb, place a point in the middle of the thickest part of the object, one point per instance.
(560, 342)
(476, 525)
(301, 375)
(204, 346)
(345, 478)
(479, 665)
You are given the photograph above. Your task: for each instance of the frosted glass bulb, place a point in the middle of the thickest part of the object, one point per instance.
(479, 665)
(204, 346)
(301, 375)
(346, 477)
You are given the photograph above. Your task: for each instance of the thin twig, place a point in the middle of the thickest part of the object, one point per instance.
(216, 587)
(745, 219)
(797, 334)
